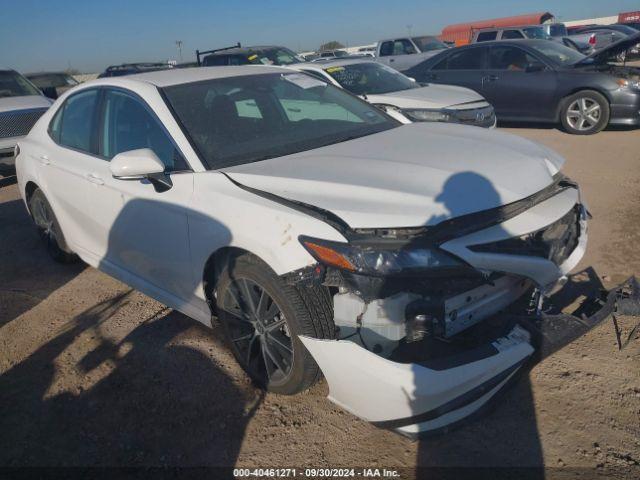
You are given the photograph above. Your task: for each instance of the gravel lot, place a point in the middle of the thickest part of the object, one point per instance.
(93, 373)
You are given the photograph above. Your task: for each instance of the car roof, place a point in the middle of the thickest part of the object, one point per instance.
(337, 63)
(37, 74)
(241, 50)
(502, 43)
(516, 27)
(178, 76)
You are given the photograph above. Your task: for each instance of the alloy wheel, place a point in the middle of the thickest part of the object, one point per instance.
(584, 114)
(258, 331)
(43, 218)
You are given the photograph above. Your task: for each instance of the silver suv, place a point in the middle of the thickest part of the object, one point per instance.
(551, 31)
(21, 105)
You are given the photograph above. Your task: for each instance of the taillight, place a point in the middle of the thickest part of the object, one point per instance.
(592, 40)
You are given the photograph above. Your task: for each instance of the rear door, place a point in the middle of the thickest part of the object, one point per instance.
(463, 67)
(519, 85)
(65, 165)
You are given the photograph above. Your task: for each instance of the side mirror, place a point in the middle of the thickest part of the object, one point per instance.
(139, 165)
(535, 67)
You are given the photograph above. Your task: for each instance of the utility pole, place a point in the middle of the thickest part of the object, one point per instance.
(179, 46)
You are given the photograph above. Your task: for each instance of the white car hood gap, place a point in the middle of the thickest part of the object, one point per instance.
(413, 175)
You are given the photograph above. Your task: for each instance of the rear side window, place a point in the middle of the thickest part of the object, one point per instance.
(128, 125)
(73, 125)
(487, 36)
(511, 35)
(469, 59)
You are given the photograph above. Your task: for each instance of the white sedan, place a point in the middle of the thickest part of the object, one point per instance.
(403, 98)
(324, 235)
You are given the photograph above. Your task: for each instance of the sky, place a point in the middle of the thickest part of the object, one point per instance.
(89, 35)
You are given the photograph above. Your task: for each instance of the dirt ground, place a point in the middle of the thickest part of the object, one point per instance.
(93, 373)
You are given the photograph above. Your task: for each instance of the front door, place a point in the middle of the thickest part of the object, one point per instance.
(142, 233)
(519, 85)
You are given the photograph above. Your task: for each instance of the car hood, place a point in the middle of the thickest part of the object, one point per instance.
(25, 102)
(413, 175)
(431, 96)
(601, 56)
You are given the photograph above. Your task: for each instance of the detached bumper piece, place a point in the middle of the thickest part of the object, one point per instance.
(429, 397)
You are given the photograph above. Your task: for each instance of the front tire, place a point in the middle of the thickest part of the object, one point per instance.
(262, 317)
(49, 228)
(585, 113)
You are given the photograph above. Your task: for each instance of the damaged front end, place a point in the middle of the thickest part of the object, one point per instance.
(422, 341)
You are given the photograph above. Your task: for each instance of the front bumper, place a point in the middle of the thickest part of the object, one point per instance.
(414, 399)
(625, 108)
(417, 396)
(7, 160)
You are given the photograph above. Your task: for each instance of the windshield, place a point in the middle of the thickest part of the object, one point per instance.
(238, 120)
(12, 84)
(428, 44)
(536, 32)
(370, 78)
(273, 56)
(626, 29)
(52, 80)
(558, 53)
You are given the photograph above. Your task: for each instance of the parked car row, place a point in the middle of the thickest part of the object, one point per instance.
(542, 81)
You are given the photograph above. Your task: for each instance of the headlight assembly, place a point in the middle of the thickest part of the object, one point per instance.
(632, 84)
(426, 115)
(379, 260)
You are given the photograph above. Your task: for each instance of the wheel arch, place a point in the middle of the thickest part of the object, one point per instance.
(213, 268)
(29, 189)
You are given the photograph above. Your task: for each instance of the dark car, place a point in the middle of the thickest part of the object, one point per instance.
(542, 81)
(238, 55)
(132, 69)
(52, 84)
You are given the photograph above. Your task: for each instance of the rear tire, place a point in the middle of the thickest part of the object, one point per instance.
(262, 317)
(585, 113)
(49, 228)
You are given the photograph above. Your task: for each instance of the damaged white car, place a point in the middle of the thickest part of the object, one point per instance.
(324, 235)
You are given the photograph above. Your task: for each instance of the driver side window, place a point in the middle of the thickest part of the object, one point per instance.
(129, 125)
(511, 58)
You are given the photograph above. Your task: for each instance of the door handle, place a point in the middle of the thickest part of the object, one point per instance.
(44, 160)
(489, 79)
(94, 179)
(392, 59)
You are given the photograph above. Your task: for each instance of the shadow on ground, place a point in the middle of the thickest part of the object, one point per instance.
(151, 401)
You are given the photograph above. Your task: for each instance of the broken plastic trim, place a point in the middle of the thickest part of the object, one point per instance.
(428, 236)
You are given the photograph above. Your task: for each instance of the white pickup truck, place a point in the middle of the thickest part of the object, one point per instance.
(405, 52)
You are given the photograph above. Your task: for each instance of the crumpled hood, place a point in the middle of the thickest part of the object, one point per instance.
(8, 104)
(416, 174)
(601, 56)
(431, 96)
